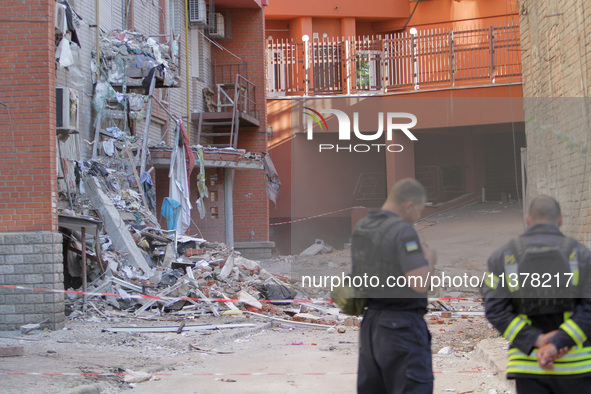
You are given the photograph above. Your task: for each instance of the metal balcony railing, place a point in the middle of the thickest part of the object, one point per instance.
(430, 59)
(228, 80)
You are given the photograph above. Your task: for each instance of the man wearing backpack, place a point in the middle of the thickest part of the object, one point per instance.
(537, 293)
(395, 344)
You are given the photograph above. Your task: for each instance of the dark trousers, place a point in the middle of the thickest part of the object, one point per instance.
(394, 354)
(553, 385)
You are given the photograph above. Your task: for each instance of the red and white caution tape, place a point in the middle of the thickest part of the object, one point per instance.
(167, 298)
(163, 298)
(315, 216)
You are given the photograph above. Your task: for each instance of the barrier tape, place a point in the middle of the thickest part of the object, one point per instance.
(163, 298)
(166, 298)
(316, 216)
(112, 374)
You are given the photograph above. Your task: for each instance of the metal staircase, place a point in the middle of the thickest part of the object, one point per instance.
(234, 106)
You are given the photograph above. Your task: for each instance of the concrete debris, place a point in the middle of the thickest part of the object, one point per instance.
(130, 57)
(114, 225)
(136, 269)
(445, 350)
(136, 377)
(316, 248)
(246, 298)
(28, 328)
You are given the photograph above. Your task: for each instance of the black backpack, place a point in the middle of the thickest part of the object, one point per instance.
(366, 257)
(366, 246)
(542, 280)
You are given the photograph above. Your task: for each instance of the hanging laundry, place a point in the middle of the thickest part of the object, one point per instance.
(146, 181)
(171, 209)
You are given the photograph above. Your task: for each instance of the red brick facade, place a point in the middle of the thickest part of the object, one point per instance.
(28, 184)
(250, 199)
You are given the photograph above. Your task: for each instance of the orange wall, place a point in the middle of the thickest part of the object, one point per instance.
(277, 28)
(452, 13)
(434, 109)
(384, 16)
(279, 118)
(329, 26)
(443, 11)
(281, 9)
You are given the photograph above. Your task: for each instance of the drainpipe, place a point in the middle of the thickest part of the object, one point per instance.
(229, 206)
(187, 69)
(98, 43)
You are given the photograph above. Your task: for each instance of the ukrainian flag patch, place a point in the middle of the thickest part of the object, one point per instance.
(411, 246)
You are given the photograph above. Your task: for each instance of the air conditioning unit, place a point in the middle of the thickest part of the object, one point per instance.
(197, 11)
(66, 109)
(217, 27)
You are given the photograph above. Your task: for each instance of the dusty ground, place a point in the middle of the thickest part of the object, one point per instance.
(271, 357)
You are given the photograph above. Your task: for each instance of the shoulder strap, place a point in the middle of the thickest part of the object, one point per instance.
(518, 248)
(567, 245)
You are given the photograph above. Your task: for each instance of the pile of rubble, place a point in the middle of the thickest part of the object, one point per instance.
(141, 269)
(127, 58)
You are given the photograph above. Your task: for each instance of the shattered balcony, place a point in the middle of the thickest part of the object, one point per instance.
(212, 158)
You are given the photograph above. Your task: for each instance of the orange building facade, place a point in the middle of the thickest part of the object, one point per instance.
(361, 94)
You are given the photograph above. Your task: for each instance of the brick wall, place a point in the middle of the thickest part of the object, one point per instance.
(556, 62)
(250, 198)
(29, 241)
(211, 227)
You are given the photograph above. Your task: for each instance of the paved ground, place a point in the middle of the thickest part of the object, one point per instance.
(272, 357)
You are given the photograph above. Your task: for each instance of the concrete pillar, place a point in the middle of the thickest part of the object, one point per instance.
(348, 27)
(400, 165)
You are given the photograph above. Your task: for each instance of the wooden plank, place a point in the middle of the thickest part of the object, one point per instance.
(12, 351)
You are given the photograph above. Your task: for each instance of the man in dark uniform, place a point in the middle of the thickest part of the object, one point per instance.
(395, 344)
(544, 313)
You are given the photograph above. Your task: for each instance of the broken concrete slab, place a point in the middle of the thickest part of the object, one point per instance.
(316, 248)
(227, 269)
(114, 224)
(248, 265)
(12, 351)
(243, 296)
(27, 328)
(136, 376)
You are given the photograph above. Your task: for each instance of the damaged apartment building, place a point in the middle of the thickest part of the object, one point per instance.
(127, 124)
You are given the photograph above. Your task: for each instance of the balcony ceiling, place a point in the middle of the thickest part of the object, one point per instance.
(240, 3)
(371, 10)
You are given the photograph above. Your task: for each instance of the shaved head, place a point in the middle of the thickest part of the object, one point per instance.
(405, 190)
(544, 209)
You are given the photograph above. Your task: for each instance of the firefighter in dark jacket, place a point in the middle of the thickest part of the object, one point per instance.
(537, 293)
